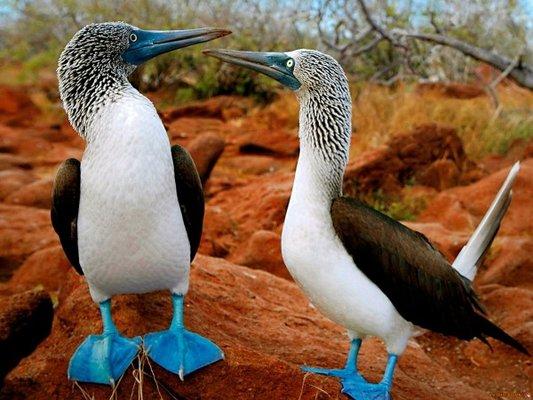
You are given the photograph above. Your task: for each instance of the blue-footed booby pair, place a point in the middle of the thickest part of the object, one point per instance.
(362, 269)
(130, 215)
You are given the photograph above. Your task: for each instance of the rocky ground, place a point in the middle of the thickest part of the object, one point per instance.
(241, 295)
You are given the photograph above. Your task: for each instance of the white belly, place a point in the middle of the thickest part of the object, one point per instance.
(321, 266)
(131, 235)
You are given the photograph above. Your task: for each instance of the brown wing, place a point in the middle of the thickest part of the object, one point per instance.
(190, 195)
(418, 280)
(64, 211)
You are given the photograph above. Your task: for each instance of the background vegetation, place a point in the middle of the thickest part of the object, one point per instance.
(35, 31)
(384, 71)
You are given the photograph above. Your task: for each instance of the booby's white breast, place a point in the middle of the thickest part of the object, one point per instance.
(319, 263)
(131, 235)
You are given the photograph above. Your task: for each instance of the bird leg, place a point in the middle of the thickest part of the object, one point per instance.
(179, 350)
(103, 358)
(350, 369)
(353, 383)
(362, 390)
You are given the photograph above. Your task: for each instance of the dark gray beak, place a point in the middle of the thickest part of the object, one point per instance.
(275, 65)
(149, 44)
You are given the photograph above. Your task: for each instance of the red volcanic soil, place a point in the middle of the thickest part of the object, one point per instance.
(241, 294)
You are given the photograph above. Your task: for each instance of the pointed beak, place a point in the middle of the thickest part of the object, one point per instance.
(145, 45)
(271, 64)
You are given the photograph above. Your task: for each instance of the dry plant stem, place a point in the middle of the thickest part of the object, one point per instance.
(84, 393)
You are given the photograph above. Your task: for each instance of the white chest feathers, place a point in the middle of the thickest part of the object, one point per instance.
(131, 236)
(322, 267)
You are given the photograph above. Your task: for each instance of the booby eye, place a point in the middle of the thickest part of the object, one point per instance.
(133, 37)
(290, 63)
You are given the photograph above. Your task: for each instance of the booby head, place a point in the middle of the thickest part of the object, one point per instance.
(325, 103)
(97, 61)
(300, 70)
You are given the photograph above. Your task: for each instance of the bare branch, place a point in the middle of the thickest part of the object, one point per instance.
(433, 22)
(367, 47)
(382, 31)
(521, 73)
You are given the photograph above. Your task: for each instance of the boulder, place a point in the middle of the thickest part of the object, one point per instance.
(271, 143)
(254, 164)
(25, 320)
(205, 150)
(220, 107)
(13, 179)
(10, 161)
(453, 215)
(23, 231)
(46, 268)
(262, 251)
(264, 325)
(16, 107)
(455, 207)
(241, 211)
(430, 153)
(36, 194)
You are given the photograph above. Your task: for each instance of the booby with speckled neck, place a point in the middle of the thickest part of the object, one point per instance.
(130, 215)
(362, 269)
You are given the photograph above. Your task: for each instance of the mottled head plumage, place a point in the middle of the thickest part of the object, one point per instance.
(91, 70)
(325, 106)
(94, 67)
(317, 71)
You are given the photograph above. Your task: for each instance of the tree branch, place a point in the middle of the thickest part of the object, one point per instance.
(518, 71)
(375, 26)
(521, 73)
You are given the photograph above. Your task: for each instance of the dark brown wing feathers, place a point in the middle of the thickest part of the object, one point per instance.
(190, 195)
(64, 211)
(416, 277)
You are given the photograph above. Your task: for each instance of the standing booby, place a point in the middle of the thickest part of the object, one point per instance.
(362, 269)
(130, 215)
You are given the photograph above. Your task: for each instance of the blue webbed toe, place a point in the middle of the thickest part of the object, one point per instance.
(359, 390)
(103, 358)
(179, 350)
(353, 383)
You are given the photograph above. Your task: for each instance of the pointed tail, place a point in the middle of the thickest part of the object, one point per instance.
(471, 255)
(490, 329)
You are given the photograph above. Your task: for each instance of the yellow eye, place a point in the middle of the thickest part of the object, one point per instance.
(290, 63)
(133, 37)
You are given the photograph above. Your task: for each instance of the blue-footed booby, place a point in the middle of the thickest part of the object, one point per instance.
(362, 269)
(130, 215)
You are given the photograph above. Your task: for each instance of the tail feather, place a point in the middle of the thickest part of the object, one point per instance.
(490, 329)
(471, 255)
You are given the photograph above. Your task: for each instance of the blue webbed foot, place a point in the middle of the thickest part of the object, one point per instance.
(353, 383)
(365, 390)
(181, 351)
(178, 350)
(103, 358)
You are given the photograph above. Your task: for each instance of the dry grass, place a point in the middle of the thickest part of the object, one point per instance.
(382, 112)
